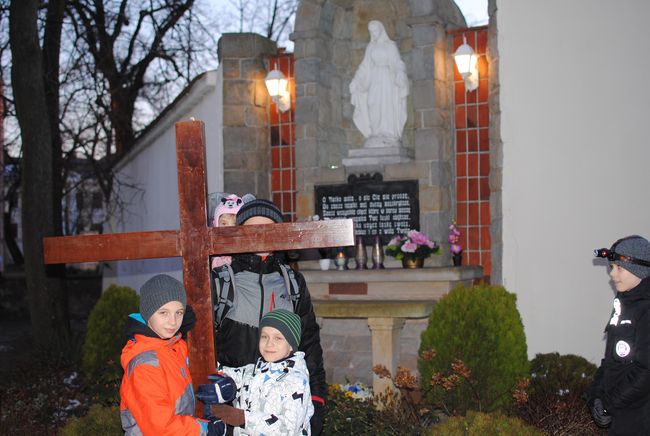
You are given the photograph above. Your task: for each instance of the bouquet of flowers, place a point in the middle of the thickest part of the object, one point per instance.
(414, 245)
(454, 238)
(357, 390)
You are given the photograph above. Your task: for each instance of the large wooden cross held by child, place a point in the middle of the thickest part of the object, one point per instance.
(195, 242)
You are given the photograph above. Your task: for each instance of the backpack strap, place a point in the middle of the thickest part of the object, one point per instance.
(291, 284)
(224, 295)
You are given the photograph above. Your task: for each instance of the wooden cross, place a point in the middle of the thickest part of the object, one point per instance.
(195, 241)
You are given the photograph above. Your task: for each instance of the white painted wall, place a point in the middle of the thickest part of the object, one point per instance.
(152, 164)
(574, 124)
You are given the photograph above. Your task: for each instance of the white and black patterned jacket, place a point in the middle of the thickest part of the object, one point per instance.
(275, 396)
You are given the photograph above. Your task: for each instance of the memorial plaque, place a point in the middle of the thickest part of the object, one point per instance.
(377, 207)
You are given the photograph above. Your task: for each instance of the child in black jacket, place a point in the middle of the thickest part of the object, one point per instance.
(619, 397)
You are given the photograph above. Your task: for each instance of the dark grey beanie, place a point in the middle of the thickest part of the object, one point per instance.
(259, 207)
(637, 247)
(158, 291)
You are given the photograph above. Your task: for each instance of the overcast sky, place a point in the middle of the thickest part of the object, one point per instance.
(475, 11)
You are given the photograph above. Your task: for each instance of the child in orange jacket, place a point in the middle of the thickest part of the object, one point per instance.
(156, 394)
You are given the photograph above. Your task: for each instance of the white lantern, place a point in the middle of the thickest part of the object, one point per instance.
(465, 59)
(277, 86)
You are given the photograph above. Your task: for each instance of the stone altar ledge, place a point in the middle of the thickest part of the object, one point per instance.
(386, 298)
(396, 284)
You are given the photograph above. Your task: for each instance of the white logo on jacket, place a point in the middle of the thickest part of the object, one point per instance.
(622, 348)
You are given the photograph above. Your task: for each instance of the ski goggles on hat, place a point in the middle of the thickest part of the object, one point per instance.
(613, 256)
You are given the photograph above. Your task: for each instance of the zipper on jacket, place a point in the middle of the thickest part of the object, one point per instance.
(261, 294)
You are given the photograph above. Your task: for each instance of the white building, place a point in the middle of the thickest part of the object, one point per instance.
(570, 140)
(149, 182)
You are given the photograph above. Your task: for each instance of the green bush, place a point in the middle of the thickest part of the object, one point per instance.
(385, 416)
(479, 424)
(106, 323)
(477, 329)
(105, 340)
(554, 401)
(557, 374)
(99, 421)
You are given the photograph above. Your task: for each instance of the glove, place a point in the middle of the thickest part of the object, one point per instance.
(223, 390)
(230, 415)
(316, 422)
(598, 412)
(216, 427)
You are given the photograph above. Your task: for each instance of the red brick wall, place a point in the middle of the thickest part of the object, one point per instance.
(282, 138)
(472, 121)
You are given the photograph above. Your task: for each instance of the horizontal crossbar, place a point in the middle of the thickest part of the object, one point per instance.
(214, 241)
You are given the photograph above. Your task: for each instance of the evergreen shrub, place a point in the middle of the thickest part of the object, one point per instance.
(554, 398)
(553, 373)
(386, 415)
(99, 421)
(105, 340)
(478, 423)
(477, 336)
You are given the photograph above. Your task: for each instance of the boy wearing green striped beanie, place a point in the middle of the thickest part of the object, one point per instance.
(273, 394)
(279, 334)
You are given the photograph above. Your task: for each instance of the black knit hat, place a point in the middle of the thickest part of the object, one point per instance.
(259, 207)
(288, 323)
(158, 291)
(637, 247)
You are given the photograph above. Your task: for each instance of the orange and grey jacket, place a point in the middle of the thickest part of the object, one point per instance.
(157, 397)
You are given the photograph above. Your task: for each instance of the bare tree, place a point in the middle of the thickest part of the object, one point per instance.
(124, 42)
(85, 77)
(271, 18)
(45, 290)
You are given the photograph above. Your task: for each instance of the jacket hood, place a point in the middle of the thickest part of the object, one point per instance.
(640, 292)
(135, 324)
(257, 264)
(141, 338)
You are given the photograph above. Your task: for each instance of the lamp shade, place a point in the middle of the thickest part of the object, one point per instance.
(276, 83)
(465, 58)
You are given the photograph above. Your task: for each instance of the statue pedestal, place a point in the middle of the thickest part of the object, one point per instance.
(378, 155)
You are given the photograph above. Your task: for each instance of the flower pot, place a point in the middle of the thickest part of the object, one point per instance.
(324, 264)
(457, 258)
(413, 262)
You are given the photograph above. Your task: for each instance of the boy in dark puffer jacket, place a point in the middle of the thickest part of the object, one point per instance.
(619, 397)
(260, 283)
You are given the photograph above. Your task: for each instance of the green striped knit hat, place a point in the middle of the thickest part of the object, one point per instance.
(288, 323)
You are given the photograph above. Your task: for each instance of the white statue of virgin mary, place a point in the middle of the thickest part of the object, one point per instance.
(379, 90)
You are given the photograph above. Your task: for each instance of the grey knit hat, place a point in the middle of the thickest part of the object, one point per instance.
(288, 323)
(259, 207)
(637, 247)
(158, 291)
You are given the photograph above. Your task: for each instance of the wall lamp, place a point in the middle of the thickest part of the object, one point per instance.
(466, 63)
(277, 85)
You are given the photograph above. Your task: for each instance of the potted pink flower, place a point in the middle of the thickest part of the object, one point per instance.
(454, 241)
(411, 248)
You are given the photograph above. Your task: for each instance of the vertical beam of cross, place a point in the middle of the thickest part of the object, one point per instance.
(194, 240)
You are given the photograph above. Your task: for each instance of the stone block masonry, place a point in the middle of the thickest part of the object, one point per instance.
(330, 39)
(245, 119)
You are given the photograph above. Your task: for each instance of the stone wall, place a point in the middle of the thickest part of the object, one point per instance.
(245, 116)
(330, 40)
(496, 149)
(347, 348)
